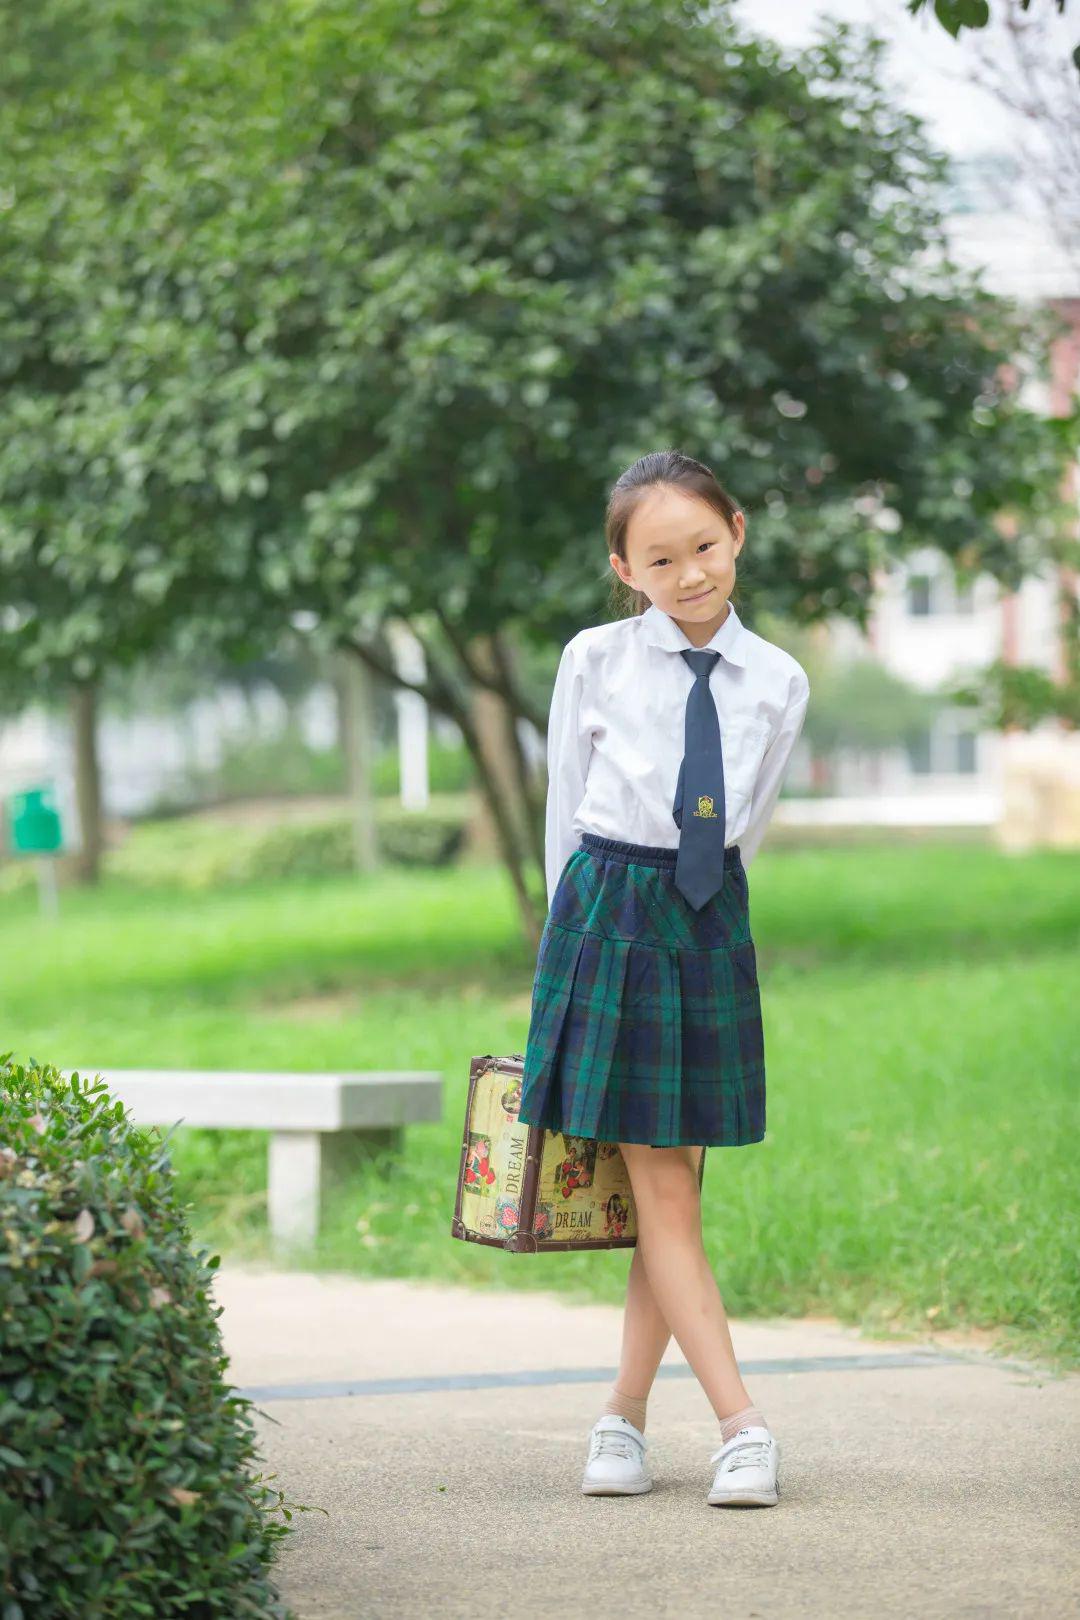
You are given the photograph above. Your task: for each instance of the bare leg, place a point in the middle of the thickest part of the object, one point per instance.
(645, 1334)
(681, 1291)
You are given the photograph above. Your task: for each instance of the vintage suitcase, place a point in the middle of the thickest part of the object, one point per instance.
(528, 1190)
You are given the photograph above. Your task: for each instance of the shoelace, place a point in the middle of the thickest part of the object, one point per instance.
(610, 1440)
(750, 1454)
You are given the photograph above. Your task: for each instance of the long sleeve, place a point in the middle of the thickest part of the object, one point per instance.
(568, 751)
(774, 768)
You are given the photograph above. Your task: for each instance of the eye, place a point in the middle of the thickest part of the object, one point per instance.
(705, 543)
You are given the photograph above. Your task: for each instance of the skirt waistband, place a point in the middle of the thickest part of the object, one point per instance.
(613, 849)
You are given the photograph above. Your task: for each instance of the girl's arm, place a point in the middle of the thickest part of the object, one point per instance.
(774, 767)
(568, 751)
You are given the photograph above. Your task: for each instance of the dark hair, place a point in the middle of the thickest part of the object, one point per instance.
(659, 467)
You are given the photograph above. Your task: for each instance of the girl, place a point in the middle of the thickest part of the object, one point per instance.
(669, 736)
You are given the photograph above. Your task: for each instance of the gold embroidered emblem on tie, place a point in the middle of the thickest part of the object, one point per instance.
(705, 807)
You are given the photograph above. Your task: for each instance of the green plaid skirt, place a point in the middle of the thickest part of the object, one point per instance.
(646, 1014)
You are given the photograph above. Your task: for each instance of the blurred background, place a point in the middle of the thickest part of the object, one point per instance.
(326, 330)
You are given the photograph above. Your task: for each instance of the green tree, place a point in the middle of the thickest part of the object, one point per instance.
(360, 316)
(96, 568)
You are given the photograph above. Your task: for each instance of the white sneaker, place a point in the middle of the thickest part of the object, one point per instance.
(747, 1472)
(616, 1461)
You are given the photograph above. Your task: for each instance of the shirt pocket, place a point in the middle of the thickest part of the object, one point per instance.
(744, 743)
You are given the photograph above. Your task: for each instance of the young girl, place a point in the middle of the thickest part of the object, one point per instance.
(669, 736)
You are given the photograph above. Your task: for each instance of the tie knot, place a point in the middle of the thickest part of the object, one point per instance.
(700, 659)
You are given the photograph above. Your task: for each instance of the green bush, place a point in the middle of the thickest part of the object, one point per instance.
(405, 838)
(202, 852)
(126, 1483)
(253, 766)
(258, 767)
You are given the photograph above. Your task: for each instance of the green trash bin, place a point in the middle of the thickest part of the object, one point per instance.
(34, 822)
(34, 828)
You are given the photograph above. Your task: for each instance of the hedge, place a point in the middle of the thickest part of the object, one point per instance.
(128, 1465)
(207, 851)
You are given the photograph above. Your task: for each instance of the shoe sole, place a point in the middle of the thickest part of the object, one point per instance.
(736, 1498)
(637, 1489)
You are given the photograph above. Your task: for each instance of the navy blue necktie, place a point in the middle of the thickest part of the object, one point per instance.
(699, 865)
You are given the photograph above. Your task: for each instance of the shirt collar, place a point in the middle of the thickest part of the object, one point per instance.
(662, 631)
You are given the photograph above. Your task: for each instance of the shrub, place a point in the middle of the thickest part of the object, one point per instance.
(264, 767)
(126, 1483)
(202, 852)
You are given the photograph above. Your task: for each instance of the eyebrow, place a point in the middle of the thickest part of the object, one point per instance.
(664, 545)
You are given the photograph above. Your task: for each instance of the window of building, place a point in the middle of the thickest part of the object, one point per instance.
(919, 593)
(966, 752)
(939, 592)
(919, 752)
(942, 749)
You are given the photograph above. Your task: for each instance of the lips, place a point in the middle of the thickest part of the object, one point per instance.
(700, 597)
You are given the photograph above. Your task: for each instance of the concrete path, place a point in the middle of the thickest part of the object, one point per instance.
(443, 1430)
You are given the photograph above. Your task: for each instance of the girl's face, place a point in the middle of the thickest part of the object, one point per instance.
(681, 553)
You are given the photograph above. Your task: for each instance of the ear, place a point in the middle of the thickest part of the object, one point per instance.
(622, 569)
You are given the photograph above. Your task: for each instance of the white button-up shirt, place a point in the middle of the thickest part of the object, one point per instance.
(616, 732)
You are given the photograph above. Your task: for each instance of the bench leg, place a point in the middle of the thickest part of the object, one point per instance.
(293, 1188)
(305, 1168)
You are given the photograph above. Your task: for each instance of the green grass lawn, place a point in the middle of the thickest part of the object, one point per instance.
(922, 1027)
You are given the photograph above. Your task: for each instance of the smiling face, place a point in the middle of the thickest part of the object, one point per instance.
(682, 553)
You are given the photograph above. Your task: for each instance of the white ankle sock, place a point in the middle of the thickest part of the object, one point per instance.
(631, 1407)
(730, 1426)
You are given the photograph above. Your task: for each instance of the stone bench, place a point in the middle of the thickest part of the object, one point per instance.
(321, 1125)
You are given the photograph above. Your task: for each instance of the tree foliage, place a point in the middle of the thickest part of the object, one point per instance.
(365, 309)
(357, 312)
(956, 15)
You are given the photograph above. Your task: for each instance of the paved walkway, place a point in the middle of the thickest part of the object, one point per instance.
(443, 1430)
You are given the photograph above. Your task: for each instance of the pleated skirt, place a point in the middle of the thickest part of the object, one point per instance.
(646, 1014)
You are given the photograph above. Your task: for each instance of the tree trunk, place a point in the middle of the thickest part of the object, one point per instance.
(498, 760)
(819, 773)
(356, 725)
(509, 811)
(86, 866)
(528, 793)
(498, 739)
(499, 795)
